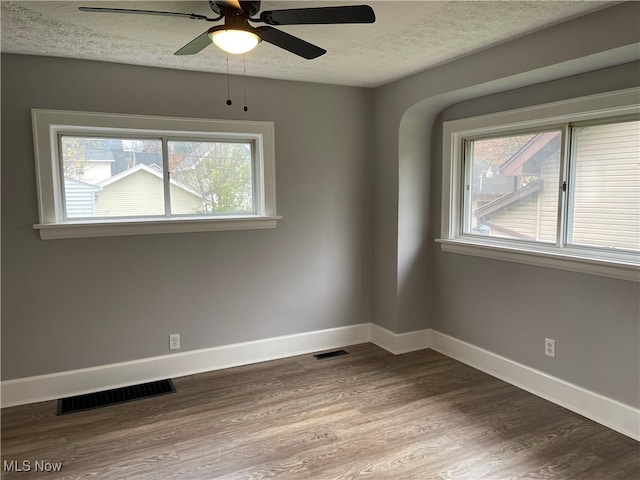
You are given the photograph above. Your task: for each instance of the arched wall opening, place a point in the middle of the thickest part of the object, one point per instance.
(408, 143)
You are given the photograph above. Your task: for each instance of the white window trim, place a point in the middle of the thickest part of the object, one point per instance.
(48, 123)
(594, 262)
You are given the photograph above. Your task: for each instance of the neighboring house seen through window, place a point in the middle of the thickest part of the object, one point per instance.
(124, 177)
(102, 174)
(557, 186)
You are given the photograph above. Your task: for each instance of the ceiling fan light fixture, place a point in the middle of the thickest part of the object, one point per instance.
(235, 41)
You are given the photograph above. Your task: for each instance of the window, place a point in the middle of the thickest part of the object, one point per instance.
(604, 206)
(510, 186)
(104, 174)
(556, 185)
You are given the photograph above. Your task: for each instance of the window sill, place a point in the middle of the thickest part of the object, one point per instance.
(106, 228)
(574, 261)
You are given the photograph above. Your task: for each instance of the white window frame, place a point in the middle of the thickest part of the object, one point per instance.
(49, 124)
(593, 261)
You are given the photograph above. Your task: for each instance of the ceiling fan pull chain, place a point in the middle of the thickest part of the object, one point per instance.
(244, 58)
(229, 102)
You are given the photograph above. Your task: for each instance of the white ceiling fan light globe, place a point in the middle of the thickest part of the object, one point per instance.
(235, 41)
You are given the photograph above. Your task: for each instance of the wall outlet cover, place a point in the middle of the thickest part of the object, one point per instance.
(174, 341)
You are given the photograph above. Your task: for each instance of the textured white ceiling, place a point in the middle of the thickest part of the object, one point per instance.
(408, 36)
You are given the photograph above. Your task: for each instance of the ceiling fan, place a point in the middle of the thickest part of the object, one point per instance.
(238, 36)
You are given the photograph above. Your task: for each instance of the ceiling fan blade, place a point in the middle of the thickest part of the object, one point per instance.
(320, 15)
(192, 16)
(289, 42)
(196, 45)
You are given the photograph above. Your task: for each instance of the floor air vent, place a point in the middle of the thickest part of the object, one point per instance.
(111, 397)
(335, 353)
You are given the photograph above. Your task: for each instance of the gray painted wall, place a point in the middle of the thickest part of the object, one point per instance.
(595, 320)
(509, 308)
(405, 111)
(358, 179)
(69, 304)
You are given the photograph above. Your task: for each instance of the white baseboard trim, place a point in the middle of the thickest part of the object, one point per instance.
(76, 382)
(610, 413)
(398, 343)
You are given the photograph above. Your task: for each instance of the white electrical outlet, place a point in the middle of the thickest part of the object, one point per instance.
(549, 347)
(174, 341)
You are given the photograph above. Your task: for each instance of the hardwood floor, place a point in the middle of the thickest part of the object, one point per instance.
(369, 414)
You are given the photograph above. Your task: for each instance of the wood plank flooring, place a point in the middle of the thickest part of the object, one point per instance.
(369, 414)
